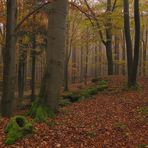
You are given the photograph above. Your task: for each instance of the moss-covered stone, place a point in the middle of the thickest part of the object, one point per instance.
(102, 87)
(103, 82)
(87, 93)
(64, 102)
(72, 96)
(40, 112)
(17, 127)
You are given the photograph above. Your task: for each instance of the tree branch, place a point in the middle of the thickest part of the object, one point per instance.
(30, 14)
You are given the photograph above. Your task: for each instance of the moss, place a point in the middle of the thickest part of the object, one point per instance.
(64, 102)
(40, 113)
(93, 91)
(143, 110)
(51, 123)
(72, 96)
(103, 82)
(102, 87)
(17, 128)
(91, 134)
(84, 94)
(121, 127)
(137, 87)
(142, 146)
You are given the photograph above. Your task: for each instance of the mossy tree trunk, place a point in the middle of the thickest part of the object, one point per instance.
(53, 73)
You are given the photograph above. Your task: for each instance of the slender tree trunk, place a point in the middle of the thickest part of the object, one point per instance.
(86, 64)
(81, 65)
(33, 75)
(66, 60)
(137, 42)
(33, 64)
(108, 43)
(145, 52)
(74, 64)
(123, 53)
(21, 78)
(9, 75)
(128, 40)
(96, 61)
(117, 54)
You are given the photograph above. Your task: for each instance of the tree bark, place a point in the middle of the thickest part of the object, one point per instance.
(128, 40)
(108, 43)
(53, 74)
(9, 71)
(137, 42)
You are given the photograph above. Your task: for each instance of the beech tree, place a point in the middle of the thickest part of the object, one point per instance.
(53, 74)
(9, 76)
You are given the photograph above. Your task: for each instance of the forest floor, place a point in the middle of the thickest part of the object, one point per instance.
(112, 119)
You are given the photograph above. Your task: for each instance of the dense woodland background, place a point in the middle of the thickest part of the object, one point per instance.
(102, 38)
(85, 56)
(47, 48)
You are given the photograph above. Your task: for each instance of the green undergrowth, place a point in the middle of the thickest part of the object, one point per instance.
(142, 146)
(137, 87)
(143, 110)
(17, 128)
(99, 80)
(40, 112)
(121, 127)
(85, 93)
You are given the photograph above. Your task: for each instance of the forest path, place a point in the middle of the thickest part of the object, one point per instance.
(112, 119)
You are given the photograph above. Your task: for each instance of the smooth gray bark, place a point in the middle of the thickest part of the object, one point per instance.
(53, 75)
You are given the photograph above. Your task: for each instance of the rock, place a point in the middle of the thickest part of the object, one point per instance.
(17, 128)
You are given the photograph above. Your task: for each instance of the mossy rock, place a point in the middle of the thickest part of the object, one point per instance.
(93, 91)
(64, 102)
(103, 82)
(85, 94)
(17, 128)
(67, 95)
(72, 96)
(102, 87)
(95, 80)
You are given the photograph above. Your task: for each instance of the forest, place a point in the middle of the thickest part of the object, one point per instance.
(73, 73)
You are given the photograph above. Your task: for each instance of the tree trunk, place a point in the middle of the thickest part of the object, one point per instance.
(9, 74)
(145, 52)
(66, 60)
(74, 64)
(128, 40)
(137, 42)
(108, 43)
(53, 74)
(21, 78)
(123, 52)
(81, 65)
(117, 54)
